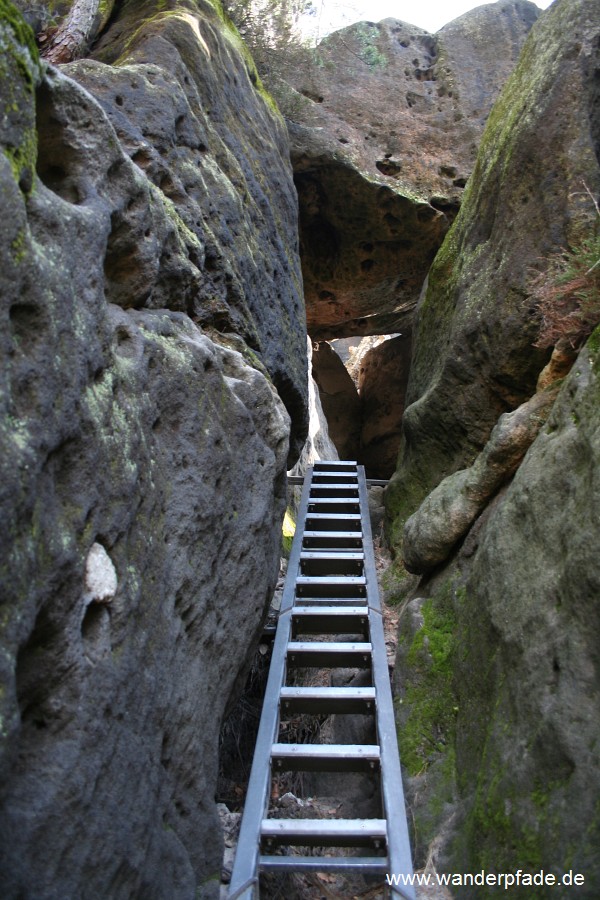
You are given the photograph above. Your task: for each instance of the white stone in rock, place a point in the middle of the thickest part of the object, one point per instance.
(100, 575)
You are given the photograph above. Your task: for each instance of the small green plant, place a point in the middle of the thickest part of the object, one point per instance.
(566, 295)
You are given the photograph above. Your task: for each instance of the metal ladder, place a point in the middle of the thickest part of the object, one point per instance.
(330, 598)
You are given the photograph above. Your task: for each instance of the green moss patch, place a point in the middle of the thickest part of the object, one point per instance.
(20, 73)
(428, 729)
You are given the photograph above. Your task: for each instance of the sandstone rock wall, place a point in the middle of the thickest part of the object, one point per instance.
(143, 451)
(498, 671)
(529, 764)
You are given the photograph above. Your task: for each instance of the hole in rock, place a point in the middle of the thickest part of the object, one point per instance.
(26, 321)
(310, 95)
(142, 158)
(35, 671)
(95, 622)
(389, 167)
(59, 162)
(326, 295)
(448, 171)
(447, 205)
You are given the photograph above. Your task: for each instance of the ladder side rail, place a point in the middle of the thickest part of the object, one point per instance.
(399, 851)
(244, 877)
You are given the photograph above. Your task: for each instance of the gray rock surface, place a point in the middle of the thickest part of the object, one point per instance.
(179, 92)
(142, 460)
(498, 686)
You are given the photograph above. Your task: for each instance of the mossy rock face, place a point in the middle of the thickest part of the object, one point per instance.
(20, 73)
(473, 356)
(426, 707)
(527, 752)
(506, 636)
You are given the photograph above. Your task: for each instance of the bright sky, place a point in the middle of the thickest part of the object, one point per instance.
(431, 15)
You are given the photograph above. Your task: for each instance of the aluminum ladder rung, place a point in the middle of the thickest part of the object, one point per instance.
(360, 865)
(333, 580)
(325, 563)
(324, 832)
(318, 555)
(331, 475)
(322, 534)
(329, 654)
(325, 757)
(331, 586)
(334, 485)
(335, 465)
(329, 700)
(348, 601)
(330, 620)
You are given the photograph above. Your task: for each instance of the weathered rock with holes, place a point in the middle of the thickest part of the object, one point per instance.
(197, 224)
(142, 476)
(387, 120)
